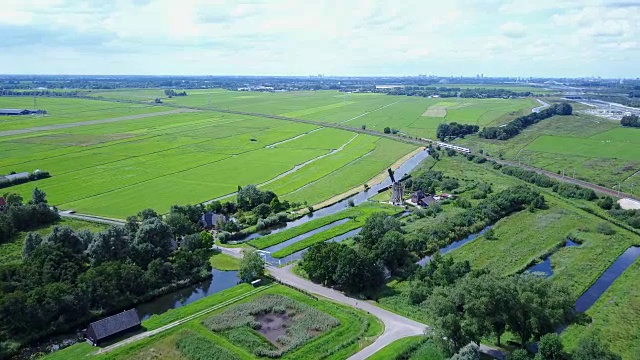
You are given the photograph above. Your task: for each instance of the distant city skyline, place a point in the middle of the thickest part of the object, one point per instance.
(497, 38)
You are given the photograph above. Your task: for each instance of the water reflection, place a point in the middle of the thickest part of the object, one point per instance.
(221, 280)
(454, 245)
(607, 278)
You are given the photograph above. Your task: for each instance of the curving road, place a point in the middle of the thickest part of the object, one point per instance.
(395, 326)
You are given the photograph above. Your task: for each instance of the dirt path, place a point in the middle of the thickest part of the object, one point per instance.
(91, 122)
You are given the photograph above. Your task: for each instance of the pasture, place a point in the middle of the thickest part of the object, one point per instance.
(598, 150)
(67, 110)
(117, 169)
(376, 111)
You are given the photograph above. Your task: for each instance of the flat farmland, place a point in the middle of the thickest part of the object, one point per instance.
(67, 110)
(376, 111)
(598, 150)
(117, 169)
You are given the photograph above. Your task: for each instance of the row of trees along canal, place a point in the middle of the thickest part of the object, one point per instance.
(465, 305)
(68, 277)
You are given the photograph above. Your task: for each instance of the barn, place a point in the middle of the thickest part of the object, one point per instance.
(108, 327)
(17, 112)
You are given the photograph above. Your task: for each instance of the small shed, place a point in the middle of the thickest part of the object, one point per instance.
(108, 327)
(210, 220)
(18, 176)
(17, 111)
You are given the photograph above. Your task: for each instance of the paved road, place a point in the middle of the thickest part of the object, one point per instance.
(90, 122)
(97, 219)
(395, 326)
(544, 106)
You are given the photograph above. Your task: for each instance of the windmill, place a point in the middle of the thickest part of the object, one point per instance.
(397, 190)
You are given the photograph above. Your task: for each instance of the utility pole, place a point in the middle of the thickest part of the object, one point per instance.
(574, 173)
(618, 189)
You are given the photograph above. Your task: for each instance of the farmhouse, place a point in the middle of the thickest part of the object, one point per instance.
(211, 220)
(17, 111)
(421, 199)
(100, 330)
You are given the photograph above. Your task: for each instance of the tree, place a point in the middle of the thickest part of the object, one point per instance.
(38, 197)
(520, 354)
(249, 197)
(31, 242)
(446, 304)
(262, 211)
(12, 199)
(153, 240)
(392, 250)
(539, 307)
(606, 203)
(180, 224)
(605, 228)
(321, 261)
(375, 227)
(487, 302)
(193, 242)
(131, 226)
(590, 347)
(275, 205)
(65, 236)
(251, 267)
(387, 130)
(111, 244)
(470, 352)
(550, 348)
(148, 214)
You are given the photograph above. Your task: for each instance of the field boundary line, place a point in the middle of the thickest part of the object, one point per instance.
(163, 328)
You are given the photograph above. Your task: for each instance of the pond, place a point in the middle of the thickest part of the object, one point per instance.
(544, 268)
(454, 245)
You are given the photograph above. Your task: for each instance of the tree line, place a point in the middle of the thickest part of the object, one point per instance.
(171, 93)
(630, 121)
(515, 126)
(454, 130)
(19, 216)
(68, 277)
(449, 92)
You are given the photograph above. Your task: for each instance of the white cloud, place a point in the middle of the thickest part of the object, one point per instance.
(513, 30)
(359, 37)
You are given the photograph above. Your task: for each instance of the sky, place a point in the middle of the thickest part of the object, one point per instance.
(540, 38)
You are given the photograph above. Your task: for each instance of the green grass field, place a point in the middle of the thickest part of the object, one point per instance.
(363, 210)
(11, 252)
(410, 348)
(597, 149)
(224, 262)
(376, 111)
(117, 169)
(60, 111)
(358, 219)
(356, 329)
(524, 238)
